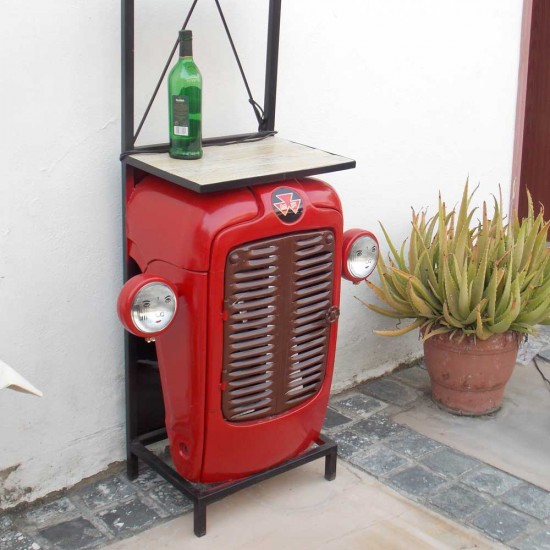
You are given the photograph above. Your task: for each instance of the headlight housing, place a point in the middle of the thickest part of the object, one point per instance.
(360, 254)
(147, 305)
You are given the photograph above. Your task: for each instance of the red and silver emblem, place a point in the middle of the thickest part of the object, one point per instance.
(287, 204)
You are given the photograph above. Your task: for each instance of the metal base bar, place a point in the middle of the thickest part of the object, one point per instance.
(201, 495)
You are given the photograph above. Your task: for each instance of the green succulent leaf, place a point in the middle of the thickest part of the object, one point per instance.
(398, 257)
(399, 332)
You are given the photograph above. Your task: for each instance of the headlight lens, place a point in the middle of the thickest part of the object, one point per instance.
(153, 307)
(362, 257)
(360, 254)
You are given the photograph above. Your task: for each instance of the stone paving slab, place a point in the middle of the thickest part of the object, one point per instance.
(417, 482)
(75, 534)
(43, 515)
(390, 391)
(501, 523)
(129, 516)
(458, 501)
(358, 405)
(378, 426)
(106, 492)
(16, 540)
(529, 499)
(171, 499)
(350, 442)
(490, 480)
(334, 418)
(538, 541)
(412, 444)
(147, 479)
(5, 523)
(449, 463)
(417, 377)
(379, 461)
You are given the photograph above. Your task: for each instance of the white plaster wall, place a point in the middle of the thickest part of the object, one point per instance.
(420, 93)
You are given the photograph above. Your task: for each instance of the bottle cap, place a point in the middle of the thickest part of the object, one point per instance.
(186, 35)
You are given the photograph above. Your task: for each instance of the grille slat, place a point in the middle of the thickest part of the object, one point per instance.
(252, 352)
(312, 299)
(313, 280)
(314, 270)
(244, 297)
(306, 372)
(302, 356)
(277, 294)
(245, 403)
(252, 366)
(248, 385)
(313, 289)
(250, 395)
(309, 344)
(249, 334)
(250, 345)
(314, 260)
(305, 363)
(305, 381)
(253, 314)
(304, 329)
(310, 250)
(252, 284)
(255, 273)
(308, 336)
(253, 323)
(253, 304)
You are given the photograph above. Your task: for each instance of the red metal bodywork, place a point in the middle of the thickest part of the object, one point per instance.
(185, 237)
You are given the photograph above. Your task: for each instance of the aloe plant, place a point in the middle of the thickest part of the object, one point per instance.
(472, 277)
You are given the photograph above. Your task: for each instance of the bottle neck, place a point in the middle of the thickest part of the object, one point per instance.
(186, 48)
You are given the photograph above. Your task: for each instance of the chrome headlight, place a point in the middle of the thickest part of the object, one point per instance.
(147, 305)
(153, 307)
(360, 254)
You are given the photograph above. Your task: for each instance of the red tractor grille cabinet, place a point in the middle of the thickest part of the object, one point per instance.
(246, 363)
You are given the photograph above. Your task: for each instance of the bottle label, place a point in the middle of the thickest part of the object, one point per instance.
(180, 109)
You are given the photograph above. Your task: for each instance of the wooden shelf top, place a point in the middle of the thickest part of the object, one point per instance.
(241, 164)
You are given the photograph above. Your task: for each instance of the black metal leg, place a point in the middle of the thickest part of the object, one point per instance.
(132, 466)
(330, 465)
(199, 518)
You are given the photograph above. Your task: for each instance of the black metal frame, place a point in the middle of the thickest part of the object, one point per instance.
(140, 433)
(202, 495)
(271, 65)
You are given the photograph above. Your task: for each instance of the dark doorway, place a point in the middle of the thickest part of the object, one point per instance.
(531, 167)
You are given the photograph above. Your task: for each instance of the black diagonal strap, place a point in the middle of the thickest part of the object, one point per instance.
(258, 111)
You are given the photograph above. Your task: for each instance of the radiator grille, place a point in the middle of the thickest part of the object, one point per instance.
(277, 294)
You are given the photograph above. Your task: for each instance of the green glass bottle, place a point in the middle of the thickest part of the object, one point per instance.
(185, 103)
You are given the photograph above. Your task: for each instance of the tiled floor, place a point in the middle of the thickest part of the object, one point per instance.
(378, 428)
(466, 489)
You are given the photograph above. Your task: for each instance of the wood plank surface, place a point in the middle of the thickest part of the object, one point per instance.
(241, 164)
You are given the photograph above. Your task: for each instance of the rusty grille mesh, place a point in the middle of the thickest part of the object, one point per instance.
(277, 294)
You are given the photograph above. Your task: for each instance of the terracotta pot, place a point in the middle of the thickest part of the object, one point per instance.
(469, 377)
